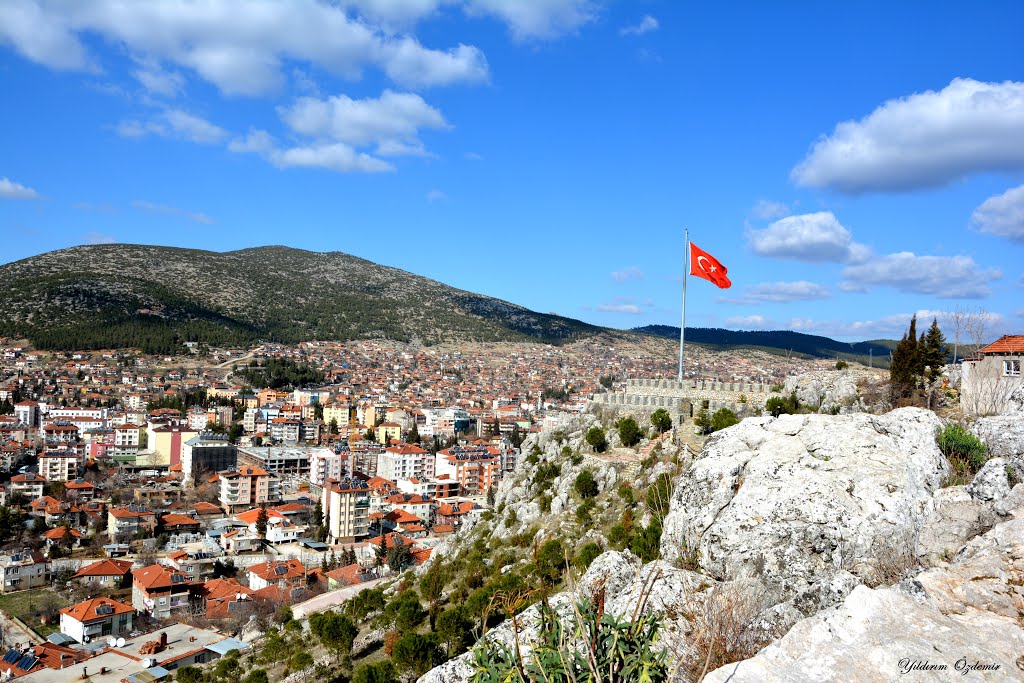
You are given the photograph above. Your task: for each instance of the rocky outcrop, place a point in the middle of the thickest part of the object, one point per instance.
(956, 518)
(794, 500)
(1004, 437)
(827, 391)
(947, 617)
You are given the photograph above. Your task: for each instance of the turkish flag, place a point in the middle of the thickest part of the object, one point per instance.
(703, 264)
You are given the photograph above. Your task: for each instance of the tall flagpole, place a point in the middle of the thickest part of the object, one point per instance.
(682, 327)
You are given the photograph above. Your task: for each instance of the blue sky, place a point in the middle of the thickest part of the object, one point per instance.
(850, 165)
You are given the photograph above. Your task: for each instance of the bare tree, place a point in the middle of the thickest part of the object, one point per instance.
(958, 321)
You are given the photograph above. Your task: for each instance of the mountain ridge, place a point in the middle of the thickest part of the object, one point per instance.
(153, 297)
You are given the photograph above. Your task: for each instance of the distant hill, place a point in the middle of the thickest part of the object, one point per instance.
(781, 342)
(155, 298)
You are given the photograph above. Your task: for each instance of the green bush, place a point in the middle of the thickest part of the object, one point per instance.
(381, 672)
(597, 439)
(626, 493)
(550, 562)
(546, 473)
(964, 450)
(587, 554)
(778, 405)
(583, 516)
(723, 418)
(842, 365)
(647, 544)
(585, 484)
(629, 431)
(618, 537)
(544, 502)
(661, 420)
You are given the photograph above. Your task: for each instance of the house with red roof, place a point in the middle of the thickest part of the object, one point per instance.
(46, 655)
(223, 597)
(160, 591)
(107, 573)
(285, 573)
(991, 381)
(63, 536)
(96, 618)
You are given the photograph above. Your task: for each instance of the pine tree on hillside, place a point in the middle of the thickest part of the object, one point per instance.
(933, 351)
(903, 371)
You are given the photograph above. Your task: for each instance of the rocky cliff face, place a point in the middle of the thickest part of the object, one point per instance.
(823, 548)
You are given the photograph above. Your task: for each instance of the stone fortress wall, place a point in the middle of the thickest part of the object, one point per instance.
(643, 396)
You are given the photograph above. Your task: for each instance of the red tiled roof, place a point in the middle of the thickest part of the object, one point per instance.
(86, 610)
(268, 571)
(157, 576)
(1008, 343)
(105, 568)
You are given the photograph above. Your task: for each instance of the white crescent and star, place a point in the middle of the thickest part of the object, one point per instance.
(700, 263)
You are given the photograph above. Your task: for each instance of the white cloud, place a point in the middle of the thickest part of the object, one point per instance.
(624, 304)
(750, 322)
(780, 292)
(890, 326)
(947, 277)
(767, 210)
(392, 121)
(928, 139)
(808, 237)
(472, 156)
(98, 238)
(193, 216)
(238, 45)
(12, 190)
(647, 24)
(158, 80)
(537, 19)
(436, 196)
(334, 157)
(1002, 215)
(627, 274)
(173, 123)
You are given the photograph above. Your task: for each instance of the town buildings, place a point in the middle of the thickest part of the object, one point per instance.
(248, 487)
(346, 506)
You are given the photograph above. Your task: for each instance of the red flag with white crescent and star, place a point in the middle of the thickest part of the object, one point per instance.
(703, 264)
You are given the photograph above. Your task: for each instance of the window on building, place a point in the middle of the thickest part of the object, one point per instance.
(1011, 368)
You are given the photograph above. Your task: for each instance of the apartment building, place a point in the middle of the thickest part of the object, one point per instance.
(60, 465)
(29, 485)
(405, 461)
(206, 453)
(248, 487)
(474, 469)
(126, 522)
(325, 464)
(346, 506)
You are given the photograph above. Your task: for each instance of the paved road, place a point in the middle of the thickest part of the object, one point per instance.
(327, 600)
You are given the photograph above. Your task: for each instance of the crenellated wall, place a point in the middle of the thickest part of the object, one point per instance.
(644, 396)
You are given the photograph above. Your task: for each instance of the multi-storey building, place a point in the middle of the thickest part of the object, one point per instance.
(346, 506)
(206, 453)
(282, 461)
(475, 469)
(124, 523)
(28, 485)
(60, 465)
(405, 461)
(166, 442)
(325, 464)
(248, 487)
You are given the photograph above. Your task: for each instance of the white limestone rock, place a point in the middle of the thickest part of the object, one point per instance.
(796, 499)
(955, 519)
(966, 612)
(824, 390)
(990, 483)
(1004, 436)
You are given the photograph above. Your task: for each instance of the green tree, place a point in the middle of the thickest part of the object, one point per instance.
(587, 554)
(550, 562)
(661, 420)
(777, 405)
(933, 351)
(723, 418)
(332, 426)
(702, 420)
(629, 431)
(597, 439)
(416, 654)
(453, 628)
(189, 674)
(256, 676)
(903, 370)
(337, 633)
(261, 521)
(585, 484)
(380, 672)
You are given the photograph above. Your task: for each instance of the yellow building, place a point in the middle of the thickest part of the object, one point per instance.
(387, 431)
(338, 412)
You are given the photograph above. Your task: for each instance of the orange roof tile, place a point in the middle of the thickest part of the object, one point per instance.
(87, 610)
(1008, 343)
